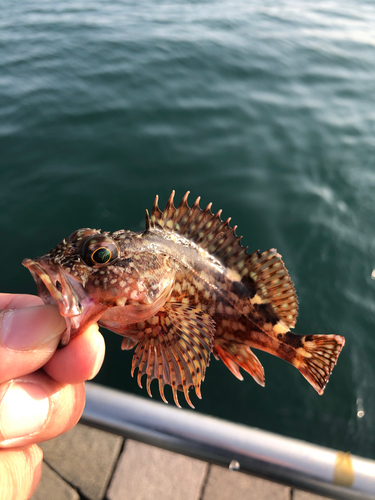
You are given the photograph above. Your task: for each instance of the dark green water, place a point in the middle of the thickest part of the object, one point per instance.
(265, 108)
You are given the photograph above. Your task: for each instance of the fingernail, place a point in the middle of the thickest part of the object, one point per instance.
(99, 345)
(29, 328)
(24, 409)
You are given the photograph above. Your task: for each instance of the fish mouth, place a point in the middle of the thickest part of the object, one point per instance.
(55, 287)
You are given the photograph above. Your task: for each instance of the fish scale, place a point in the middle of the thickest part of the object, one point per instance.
(180, 290)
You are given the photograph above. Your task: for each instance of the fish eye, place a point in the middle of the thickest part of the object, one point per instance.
(99, 250)
(101, 255)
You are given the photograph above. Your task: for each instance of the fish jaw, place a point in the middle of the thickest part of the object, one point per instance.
(56, 287)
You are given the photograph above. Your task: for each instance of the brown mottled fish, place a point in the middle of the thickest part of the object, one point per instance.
(179, 291)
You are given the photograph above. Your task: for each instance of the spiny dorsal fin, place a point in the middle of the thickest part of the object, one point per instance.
(148, 221)
(175, 349)
(264, 273)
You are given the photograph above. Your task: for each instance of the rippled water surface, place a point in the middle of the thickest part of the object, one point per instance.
(265, 108)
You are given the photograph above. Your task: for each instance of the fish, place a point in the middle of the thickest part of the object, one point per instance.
(179, 291)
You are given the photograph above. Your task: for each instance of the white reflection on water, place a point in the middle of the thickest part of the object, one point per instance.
(360, 408)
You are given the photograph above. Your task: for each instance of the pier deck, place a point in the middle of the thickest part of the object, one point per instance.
(131, 448)
(91, 464)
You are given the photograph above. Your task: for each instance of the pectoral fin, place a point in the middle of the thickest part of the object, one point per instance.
(175, 349)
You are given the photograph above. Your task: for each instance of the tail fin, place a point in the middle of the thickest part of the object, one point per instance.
(235, 356)
(317, 358)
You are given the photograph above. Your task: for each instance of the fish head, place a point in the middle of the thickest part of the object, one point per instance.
(85, 275)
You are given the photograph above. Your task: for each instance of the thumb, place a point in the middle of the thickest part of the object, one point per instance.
(28, 339)
(21, 469)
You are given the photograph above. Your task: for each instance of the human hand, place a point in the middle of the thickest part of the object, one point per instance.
(42, 391)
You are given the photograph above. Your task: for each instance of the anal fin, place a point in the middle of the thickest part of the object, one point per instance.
(235, 356)
(175, 348)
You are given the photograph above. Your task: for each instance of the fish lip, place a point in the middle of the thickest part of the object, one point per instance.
(68, 296)
(47, 277)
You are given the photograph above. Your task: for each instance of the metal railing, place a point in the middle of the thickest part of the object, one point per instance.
(286, 460)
